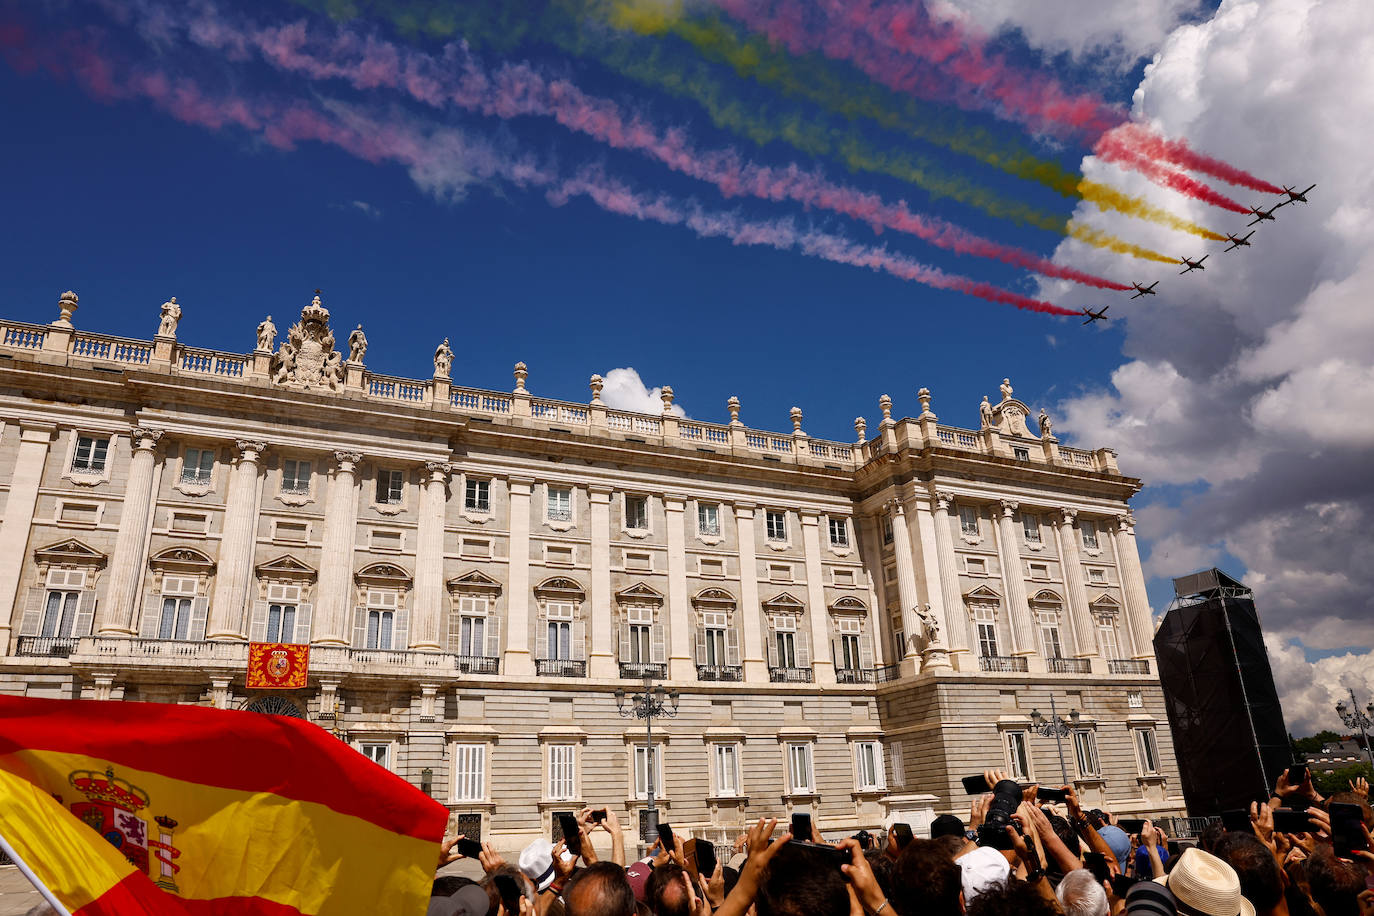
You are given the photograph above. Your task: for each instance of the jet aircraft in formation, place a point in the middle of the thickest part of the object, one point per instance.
(1295, 197)
(1241, 242)
(1192, 265)
(1100, 315)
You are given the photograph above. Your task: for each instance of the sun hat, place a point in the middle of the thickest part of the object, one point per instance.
(469, 900)
(536, 861)
(981, 869)
(1207, 885)
(1145, 898)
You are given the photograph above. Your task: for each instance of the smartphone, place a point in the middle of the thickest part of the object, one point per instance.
(572, 836)
(1096, 863)
(1291, 820)
(665, 836)
(1346, 836)
(706, 858)
(902, 834)
(976, 785)
(470, 849)
(1046, 794)
(598, 815)
(1121, 885)
(825, 855)
(801, 826)
(1132, 825)
(1237, 821)
(509, 892)
(1297, 775)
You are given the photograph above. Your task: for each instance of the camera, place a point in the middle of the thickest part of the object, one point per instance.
(1006, 797)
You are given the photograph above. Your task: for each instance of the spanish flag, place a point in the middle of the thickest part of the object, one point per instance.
(131, 808)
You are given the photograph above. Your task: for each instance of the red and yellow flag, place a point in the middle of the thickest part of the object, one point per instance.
(208, 811)
(277, 666)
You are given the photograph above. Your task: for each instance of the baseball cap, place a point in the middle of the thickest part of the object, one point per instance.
(946, 825)
(982, 868)
(1119, 842)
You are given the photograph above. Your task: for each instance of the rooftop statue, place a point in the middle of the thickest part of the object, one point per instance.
(307, 358)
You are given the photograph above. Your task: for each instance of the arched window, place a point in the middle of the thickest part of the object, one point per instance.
(717, 639)
(560, 633)
(1047, 608)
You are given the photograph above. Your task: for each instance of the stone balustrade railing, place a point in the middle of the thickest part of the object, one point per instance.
(54, 343)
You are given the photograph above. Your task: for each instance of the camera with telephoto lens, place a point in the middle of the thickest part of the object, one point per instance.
(1006, 797)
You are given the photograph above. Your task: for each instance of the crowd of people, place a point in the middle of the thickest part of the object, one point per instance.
(1019, 852)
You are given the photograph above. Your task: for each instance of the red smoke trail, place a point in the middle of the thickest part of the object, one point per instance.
(518, 89)
(444, 160)
(1114, 148)
(1141, 142)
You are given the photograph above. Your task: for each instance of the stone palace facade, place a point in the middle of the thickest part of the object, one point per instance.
(850, 627)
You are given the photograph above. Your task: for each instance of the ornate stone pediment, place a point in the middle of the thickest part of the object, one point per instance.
(385, 575)
(639, 593)
(785, 603)
(560, 585)
(285, 567)
(70, 552)
(182, 559)
(1046, 596)
(849, 605)
(307, 358)
(474, 581)
(1010, 419)
(715, 599)
(982, 592)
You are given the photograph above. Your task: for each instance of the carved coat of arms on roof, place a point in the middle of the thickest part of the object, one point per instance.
(307, 358)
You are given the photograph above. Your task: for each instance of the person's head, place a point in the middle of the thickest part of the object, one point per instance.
(946, 825)
(1011, 898)
(1119, 842)
(926, 879)
(882, 868)
(951, 844)
(448, 885)
(1067, 835)
(1205, 885)
(599, 890)
(1336, 885)
(1211, 835)
(1261, 880)
(981, 869)
(1080, 894)
(802, 883)
(667, 891)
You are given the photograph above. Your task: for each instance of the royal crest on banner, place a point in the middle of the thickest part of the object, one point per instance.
(277, 666)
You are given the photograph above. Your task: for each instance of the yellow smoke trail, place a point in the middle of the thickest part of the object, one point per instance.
(1100, 239)
(1109, 198)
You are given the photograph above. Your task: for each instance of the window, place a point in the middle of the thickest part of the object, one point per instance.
(390, 487)
(469, 772)
(281, 622)
(477, 495)
(1089, 529)
(785, 637)
(1050, 643)
(968, 520)
(847, 644)
(178, 595)
(985, 619)
(637, 652)
(63, 602)
(1030, 524)
(799, 768)
(976, 566)
(1017, 761)
(1020, 453)
(839, 532)
(295, 476)
(869, 760)
(898, 640)
(776, 525)
(1039, 571)
(1147, 750)
(727, 770)
(472, 626)
(90, 454)
(887, 529)
(562, 772)
(1097, 576)
(708, 519)
(560, 504)
(198, 465)
(637, 512)
(642, 757)
(713, 627)
(898, 763)
(1085, 752)
(1106, 639)
(560, 621)
(379, 754)
(1134, 700)
(381, 618)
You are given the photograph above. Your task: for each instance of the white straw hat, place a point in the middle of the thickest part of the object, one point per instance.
(1206, 884)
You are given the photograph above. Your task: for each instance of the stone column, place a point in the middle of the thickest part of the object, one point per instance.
(956, 615)
(18, 523)
(426, 616)
(750, 610)
(602, 659)
(906, 580)
(517, 661)
(1084, 638)
(332, 620)
(934, 652)
(1138, 614)
(681, 664)
(821, 662)
(230, 601)
(868, 529)
(1014, 578)
(131, 544)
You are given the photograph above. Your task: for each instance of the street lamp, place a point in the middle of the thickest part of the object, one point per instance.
(1356, 719)
(1056, 728)
(654, 701)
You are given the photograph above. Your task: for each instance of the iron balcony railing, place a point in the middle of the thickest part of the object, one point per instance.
(887, 673)
(1070, 666)
(1128, 666)
(1003, 663)
(641, 670)
(720, 673)
(790, 675)
(560, 667)
(50, 646)
(854, 675)
(479, 664)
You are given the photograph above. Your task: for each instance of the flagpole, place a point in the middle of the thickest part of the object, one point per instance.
(33, 879)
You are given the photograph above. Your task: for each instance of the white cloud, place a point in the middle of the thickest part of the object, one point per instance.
(625, 390)
(365, 208)
(1252, 379)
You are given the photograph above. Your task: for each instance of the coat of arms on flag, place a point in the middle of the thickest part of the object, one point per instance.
(277, 666)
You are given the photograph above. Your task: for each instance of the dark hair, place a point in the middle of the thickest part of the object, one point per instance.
(1336, 885)
(798, 884)
(1067, 835)
(599, 890)
(1210, 836)
(660, 891)
(881, 866)
(448, 885)
(731, 876)
(1014, 898)
(926, 879)
(1260, 880)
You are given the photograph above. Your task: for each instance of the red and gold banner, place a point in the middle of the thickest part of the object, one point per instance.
(277, 666)
(121, 807)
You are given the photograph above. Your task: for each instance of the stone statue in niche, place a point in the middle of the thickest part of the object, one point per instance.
(267, 334)
(443, 360)
(930, 624)
(307, 358)
(171, 315)
(1046, 427)
(357, 345)
(1006, 389)
(985, 413)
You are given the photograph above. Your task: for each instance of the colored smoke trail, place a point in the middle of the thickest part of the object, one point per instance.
(1138, 140)
(367, 62)
(443, 160)
(1100, 239)
(1113, 148)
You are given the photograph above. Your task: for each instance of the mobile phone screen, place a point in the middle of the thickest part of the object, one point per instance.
(1131, 824)
(1236, 821)
(976, 785)
(1046, 794)
(665, 836)
(1291, 820)
(801, 827)
(1346, 836)
(509, 892)
(599, 815)
(1096, 863)
(572, 836)
(1297, 775)
(706, 859)
(469, 848)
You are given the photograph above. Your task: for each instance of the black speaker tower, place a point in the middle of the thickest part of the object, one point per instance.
(1224, 710)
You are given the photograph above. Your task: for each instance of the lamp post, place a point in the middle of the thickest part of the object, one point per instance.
(1056, 728)
(1356, 719)
(654, 701)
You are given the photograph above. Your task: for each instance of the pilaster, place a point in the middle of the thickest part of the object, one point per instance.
(229, 602)
(956, 615)
(1085, 641)
(131, 543)
(602, 659)
(1014, 580)
(821, 662)
(906, 581)
(336, 554)
(517, 661)
(427, 614)
(681, 665)
(34, 439)
(751, 611)
(1133, 588)
(935, 652)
